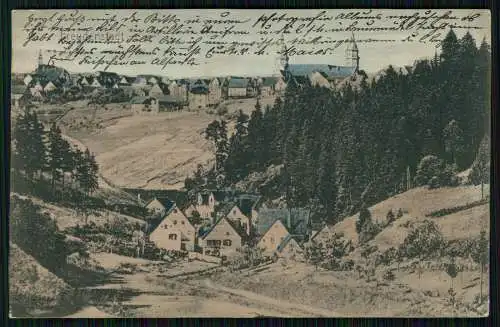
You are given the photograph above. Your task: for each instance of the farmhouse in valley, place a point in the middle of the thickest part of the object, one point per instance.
(275, 225)
(175, 232)
(223, 239)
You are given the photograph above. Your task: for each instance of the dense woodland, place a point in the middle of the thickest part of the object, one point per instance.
(355, 146)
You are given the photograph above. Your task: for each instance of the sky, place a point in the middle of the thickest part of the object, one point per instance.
(373, 56)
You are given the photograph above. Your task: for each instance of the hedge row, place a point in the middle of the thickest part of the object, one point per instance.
(449, 211)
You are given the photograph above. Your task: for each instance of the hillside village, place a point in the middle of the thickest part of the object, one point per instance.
(151, 94)
(289, 221)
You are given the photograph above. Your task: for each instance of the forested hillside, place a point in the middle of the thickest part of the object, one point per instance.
(353, 146)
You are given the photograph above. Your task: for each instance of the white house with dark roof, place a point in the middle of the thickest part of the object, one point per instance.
(238, 87)
(175, 232)
(222, 239)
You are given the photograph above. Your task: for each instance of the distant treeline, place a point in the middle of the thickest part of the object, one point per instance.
(355, 146)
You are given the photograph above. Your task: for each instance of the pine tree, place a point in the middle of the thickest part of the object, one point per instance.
(453, 136)
(481, 257)
(55, 156)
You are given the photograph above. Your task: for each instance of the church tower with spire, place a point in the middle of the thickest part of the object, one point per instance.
(40, 59)
(352, 53)
(283, 59)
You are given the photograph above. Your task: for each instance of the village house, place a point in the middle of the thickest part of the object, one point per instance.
(178, 89)
(27, 79)
(222, 239)
(159, 205)
(267, 86)
(238, 87)
(207, 202)
(274, 225)
(51, 87)
(198, 95)
(154, 105)
(273, 237)
(159, 89)
(106, 80)
(175, 232)
(232, 211)
(125, 80)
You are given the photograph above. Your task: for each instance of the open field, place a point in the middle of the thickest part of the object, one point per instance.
(154, 152)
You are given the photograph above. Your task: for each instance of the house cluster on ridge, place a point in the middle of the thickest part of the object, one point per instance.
(218, 223)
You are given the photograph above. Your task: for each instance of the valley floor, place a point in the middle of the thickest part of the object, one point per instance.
(155, 289)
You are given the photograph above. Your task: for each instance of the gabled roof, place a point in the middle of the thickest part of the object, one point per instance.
(163, 87)
(247, 202)
(289, 238)
(241, 233)
(166, 202)
(238, 83)
(325, 227)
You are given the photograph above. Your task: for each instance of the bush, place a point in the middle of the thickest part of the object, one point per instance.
(389, 275)
(36, 233)
(386, 257)
(390, 217)
(369, 231)
(424, 241)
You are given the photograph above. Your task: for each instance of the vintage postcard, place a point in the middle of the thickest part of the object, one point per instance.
(249, 163)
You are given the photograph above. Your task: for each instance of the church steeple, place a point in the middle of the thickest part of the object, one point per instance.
(283, 58)
(40, 58)
(352, 53)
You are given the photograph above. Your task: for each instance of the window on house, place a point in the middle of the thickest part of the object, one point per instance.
(272, 240)
(227, 243)
(213, 243)
(234, 211)
(175, 210)
(182, 222)
(175, 222)
(172, 237)
(227, 233)
(165, 226)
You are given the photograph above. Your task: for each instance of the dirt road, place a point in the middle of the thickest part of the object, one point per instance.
(297, 309)
(148, 293)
